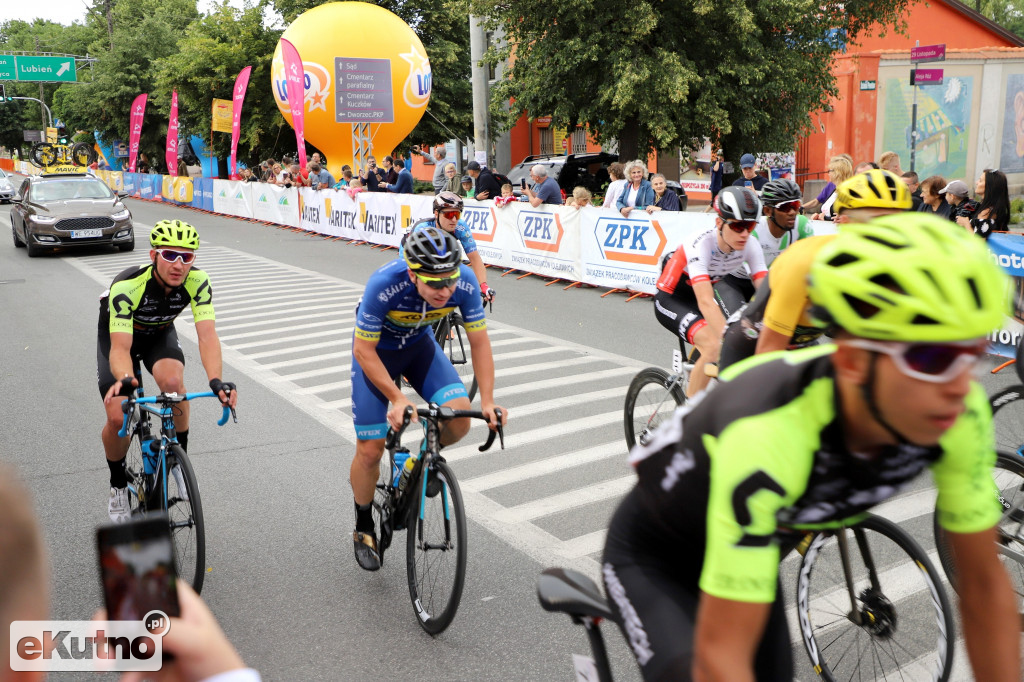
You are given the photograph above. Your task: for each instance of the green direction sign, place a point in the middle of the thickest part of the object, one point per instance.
(46, 69)
(7, 67)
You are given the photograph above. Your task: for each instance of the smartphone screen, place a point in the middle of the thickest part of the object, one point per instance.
(137, 568)
(749, 183)
(522, 183)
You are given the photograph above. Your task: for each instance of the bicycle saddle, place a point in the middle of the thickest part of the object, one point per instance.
(567, 591)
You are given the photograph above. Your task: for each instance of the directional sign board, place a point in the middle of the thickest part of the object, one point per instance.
(31, 68)
(928, 53)
(926, 77)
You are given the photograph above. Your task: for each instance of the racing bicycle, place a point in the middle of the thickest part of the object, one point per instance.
(654, 394)
(869, 602)
(45, 154)
(425, 500)
(160, 475)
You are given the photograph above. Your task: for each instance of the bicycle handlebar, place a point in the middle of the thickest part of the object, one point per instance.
(167, 399)
(439, 412)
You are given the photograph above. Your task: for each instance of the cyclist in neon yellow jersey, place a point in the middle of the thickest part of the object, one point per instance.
(813, 438)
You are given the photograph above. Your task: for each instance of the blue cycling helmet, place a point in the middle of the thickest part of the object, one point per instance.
(432, 250)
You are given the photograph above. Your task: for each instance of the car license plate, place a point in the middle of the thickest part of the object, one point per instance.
(81, 234)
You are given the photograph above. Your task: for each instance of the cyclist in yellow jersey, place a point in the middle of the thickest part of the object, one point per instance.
(814, 438)
(136, 324)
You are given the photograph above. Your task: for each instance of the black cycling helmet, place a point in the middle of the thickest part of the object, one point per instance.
(431, 250)
(447, 201)
(738, 203)
(780, 191)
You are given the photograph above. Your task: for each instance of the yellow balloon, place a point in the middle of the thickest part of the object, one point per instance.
(364, 92)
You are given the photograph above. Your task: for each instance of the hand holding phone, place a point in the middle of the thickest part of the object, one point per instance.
(522, 183)
(137, 568)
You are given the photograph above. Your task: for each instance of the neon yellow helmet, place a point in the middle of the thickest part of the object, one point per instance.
(875, 188)
(909, 277)
(174, 233)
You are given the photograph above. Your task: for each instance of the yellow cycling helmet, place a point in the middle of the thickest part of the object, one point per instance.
(875, 188)
(174, 233)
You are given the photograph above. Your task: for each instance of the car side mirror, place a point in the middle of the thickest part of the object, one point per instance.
(122, 194)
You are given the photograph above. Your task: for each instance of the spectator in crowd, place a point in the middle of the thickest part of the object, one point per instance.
(316, 158)
(638, 193)
(287, 180)
(932, 198)
(750, 177)
(958, 198)
(545, 189)
(581, 198)
(142, 163)
(890, 161)
(617, 172)
(346, 179)
(248, 175)
(993, 214)
(299, 178)
(354, 188)
(507, 196)
(403, 181)
(371, 176)
(828, 189)
(182, 168)
(717, 173)
(911, 180)
(839, 171)
(865, 166)
(437, 158)
(319, 177)
(664, 198)
(279, 171)
(390, 172)
(468, 189)
(452, 181)
(486, 187)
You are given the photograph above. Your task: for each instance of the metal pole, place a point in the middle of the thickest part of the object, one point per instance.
(477, 42)
(48, 112)
(913, 118)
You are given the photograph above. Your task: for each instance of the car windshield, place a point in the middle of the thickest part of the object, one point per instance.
(69, 190)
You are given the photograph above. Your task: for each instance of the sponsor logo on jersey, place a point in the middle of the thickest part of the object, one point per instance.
(482, 222)
(414, 318)
(630, 241)
(540, 231)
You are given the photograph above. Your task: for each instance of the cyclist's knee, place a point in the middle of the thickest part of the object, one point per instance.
(369, 452)
(455, 430)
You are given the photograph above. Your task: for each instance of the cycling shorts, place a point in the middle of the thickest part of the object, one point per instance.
(653, 590)
(423, 364)
(145, 347)
(680, 314)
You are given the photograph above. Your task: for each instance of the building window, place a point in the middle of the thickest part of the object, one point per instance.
(547, 145)
(579, 141)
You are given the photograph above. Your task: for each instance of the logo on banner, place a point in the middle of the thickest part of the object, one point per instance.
(283, 201)
(406, 216)
(223, 194)
(482, 221)
(416, 91)
(540, 231)
(263, 198)
(341, 219)
(630, 241)
(316, 85)
(309, 213)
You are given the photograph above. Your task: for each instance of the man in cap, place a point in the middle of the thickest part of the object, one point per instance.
(486, 186)
(958, 197)
(750, 178)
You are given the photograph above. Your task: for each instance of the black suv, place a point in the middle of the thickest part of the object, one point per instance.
(577, 170)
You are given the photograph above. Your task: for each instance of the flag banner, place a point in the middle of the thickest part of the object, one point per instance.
(241, 83)
(138, 111)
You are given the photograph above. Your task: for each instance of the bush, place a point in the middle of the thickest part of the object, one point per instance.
(1017, 206)
(421, 187)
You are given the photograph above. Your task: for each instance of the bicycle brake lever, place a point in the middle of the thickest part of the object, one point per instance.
(499, 433)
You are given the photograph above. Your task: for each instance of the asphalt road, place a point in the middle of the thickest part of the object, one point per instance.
(278, 508)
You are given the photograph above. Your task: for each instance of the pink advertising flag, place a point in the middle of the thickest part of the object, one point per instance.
(241, 83)
(296, 79)
(138, 111)
(172, 137)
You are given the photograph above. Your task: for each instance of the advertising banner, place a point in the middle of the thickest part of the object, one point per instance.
(276, 204)
(138, 112)
(178, 190)
(202, 193)
(221, 122)
(171, 153)
(232, 198)
(241, 83)
(131, 184)
(1008, 250)
(295, 79)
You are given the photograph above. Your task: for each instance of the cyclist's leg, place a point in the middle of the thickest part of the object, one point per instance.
(114, 446)
(435, 379)
(738, 342)
(166, 362)
(680, 313)
(732, 293)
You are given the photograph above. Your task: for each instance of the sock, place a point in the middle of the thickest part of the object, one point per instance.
(364, 518)
(183, 440)
(118, 476)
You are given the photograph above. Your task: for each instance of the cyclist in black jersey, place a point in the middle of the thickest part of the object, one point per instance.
(813, 438)
(136, 323)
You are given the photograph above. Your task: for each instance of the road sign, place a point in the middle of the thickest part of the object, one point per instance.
(33, 135)
(32, 68)
(928, 53)
(926, 77)
(868, 85)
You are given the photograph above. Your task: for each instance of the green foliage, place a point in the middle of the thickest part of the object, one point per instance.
(1017, 205)
(658, 75)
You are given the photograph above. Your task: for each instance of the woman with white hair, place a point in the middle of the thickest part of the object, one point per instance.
(638, 193)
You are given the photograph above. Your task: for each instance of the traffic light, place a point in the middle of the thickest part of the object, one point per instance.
(3, 93)
(62, 135)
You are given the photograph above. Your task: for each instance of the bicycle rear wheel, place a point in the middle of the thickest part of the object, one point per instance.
(1008, 419)
(906, 629)
(451, 335)
(43, 154)
(1009, 479)
(82, 154)
(188, 531)
(652, 397)
(382, 506)
(436, 551)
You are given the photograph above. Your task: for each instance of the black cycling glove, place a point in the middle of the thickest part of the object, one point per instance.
(216, 385)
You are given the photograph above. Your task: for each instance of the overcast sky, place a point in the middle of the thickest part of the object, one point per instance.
(61, 11)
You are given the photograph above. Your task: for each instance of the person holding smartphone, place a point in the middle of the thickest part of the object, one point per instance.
(750, 177)
(372, 176)
(136, 326)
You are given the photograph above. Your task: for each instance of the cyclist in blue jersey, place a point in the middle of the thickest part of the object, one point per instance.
(393, 338)
(447, 209)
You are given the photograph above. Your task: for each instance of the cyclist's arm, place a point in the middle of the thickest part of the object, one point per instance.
(987, 606)
(365, 353)
(726, 639)
(477, 264)
(120, 354)
(770, 340)
(210, 354)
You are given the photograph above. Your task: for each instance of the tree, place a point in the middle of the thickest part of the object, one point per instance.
(443, 28)
(659, 75)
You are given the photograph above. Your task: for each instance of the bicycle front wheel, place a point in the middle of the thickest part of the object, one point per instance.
(134, 467)
(436, 550)
(1009, 479)
(43, 154)
(1008, 419)
(188, 531)
(652, 397)
(451, 335)
(887, 617)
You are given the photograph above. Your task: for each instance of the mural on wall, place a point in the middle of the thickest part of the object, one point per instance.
(943, 125)
(1011, 158)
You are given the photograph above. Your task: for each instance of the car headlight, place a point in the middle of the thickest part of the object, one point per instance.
(43, 219)
(121, 215)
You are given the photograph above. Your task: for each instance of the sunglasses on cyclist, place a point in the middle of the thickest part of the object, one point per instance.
(185, 257)
(741, 226)
(788, 206)
(439, 282)
(934, 362)
(451, 215)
